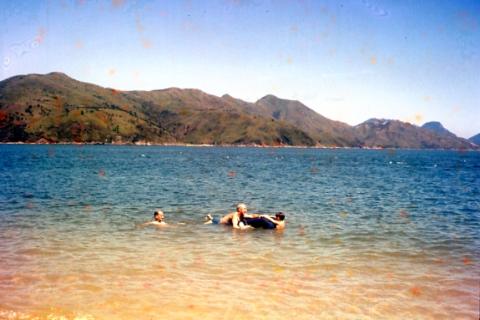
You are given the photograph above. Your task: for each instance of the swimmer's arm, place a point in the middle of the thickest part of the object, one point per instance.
(235, 222)
(271, 219)
(155, 223)
(279, 224)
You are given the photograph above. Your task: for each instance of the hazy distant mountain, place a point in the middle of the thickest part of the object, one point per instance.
(475, 139)
(397, 134)
(437, 127)
(325, 131)
(57, 108)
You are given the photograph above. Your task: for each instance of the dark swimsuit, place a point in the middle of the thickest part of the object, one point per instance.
(260, 222)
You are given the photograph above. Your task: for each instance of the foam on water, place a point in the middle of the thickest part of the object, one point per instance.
(370, 234)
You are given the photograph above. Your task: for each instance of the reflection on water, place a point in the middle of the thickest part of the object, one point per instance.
(370, 234)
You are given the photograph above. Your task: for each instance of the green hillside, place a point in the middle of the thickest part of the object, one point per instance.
(56, 108)
(397, 134)
(60, 109)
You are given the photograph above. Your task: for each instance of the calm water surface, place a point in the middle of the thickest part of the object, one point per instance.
(370, 234)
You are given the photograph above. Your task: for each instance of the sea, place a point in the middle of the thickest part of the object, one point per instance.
(370, 234)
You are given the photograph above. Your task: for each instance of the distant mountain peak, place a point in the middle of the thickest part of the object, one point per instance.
(436, 127)
(58, 74)
(376, 122)
(475, 139)
(433, 125)
(269, 97)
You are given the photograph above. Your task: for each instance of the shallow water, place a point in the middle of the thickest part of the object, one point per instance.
(370, 234)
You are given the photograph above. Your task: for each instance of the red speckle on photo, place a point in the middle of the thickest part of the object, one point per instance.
(467, 261)
(117, 3)
(301, 231)
(198, 261)
(79, 44)
(147, 44)
(415, 291)
(308, 276)
(101, 173)
(404, 214)
(147, 285)
(232, 174)
(40, 35)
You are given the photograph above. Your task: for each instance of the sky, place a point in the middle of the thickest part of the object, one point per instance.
(414, 61)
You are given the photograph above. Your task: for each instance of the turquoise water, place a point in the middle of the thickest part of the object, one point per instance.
(370, 233)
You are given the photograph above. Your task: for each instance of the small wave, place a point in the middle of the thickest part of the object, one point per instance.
(37, 252)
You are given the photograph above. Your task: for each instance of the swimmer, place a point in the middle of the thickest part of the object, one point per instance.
(158, 219)
(238, 218)
(267, 222)
(235, 219)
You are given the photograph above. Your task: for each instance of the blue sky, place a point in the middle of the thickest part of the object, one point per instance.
(415, 61)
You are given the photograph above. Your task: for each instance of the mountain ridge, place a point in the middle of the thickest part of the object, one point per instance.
(57, 108)
(384, 133)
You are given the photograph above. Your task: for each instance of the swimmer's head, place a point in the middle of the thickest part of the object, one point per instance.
(158, 215)
(241, 208)
(280, 216)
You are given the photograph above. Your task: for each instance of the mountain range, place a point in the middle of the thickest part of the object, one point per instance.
(56, 108)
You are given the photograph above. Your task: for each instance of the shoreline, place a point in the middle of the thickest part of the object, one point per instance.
(206, 145)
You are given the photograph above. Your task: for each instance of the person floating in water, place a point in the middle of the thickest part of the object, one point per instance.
(267, 222)
(241, 220)
(158, 219)
(235, 219)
